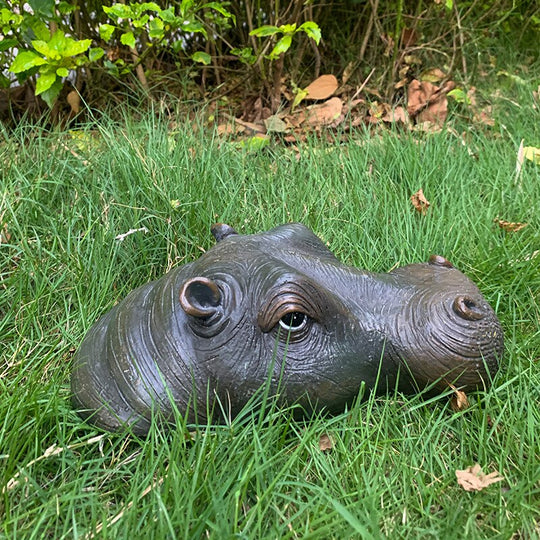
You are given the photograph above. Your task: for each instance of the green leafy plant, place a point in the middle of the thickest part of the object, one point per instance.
(9, 23)
(148, 25)
(286, 31)
(36, 44)
(279, 39)
(52, 58)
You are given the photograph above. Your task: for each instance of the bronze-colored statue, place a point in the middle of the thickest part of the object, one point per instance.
(279, 308)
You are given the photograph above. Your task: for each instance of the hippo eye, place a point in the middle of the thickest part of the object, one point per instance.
(293, 321)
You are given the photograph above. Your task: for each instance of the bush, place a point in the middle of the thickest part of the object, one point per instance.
(189, 47)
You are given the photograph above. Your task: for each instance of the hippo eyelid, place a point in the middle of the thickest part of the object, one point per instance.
(286, 298)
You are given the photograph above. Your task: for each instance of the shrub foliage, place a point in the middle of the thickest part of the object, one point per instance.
(191, 48)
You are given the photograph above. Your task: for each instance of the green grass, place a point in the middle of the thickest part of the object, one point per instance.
(65, 197)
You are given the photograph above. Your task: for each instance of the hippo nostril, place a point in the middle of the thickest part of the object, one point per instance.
(467, 308)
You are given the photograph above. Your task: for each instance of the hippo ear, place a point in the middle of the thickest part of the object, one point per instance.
(438, 260)
(221, 231)
(200, 297)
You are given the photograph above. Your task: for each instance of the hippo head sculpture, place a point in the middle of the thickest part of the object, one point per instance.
(278, 308)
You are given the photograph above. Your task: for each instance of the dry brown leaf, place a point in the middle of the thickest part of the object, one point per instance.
(509, 226)
(254, 110)
(113, 54)
(435, 112)
(474, 479)
(484, 116)
(401, 83)
(471, 96)
(325, 442)
(74, 100)
(409, 37)
(322, 88)
(347, 72)
(325, 113)
(458, 401)
(399, 114)
(419, 201)
(274, 124)
(229, 129)
(427, 102)
(419, 94)
(255, 128)
(433, 75)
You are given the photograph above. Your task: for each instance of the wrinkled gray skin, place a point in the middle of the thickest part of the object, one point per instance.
(280, 303)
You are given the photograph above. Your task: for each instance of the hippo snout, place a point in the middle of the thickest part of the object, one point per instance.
(446, 333)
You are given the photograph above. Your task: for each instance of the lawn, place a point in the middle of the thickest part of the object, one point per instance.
(390, 469)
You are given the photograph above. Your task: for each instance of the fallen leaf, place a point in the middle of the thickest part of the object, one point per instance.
(401, 83)
(74, 100)
(509, 226)
(256, 128)
(325, 113)
(347, 72)
(427, 102)
(322, 88)
(474, 479)
(412, 59)
(435, 112)
(458, 401)
(399, 114)
(434, 75)
(484, 116)
(325, 442)
(471, 96)
(419, 201)
(418, 95)
(275, 124)
(409, 37)
(428, 127)
(532, 154)
(254, 110)
(229, 129)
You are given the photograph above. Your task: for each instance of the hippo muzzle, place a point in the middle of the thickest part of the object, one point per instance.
(278, 309)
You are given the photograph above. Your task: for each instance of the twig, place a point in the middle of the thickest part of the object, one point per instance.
(122, 237)
(461, 39)
(363, 85)
(248, 125)
(367, 35)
